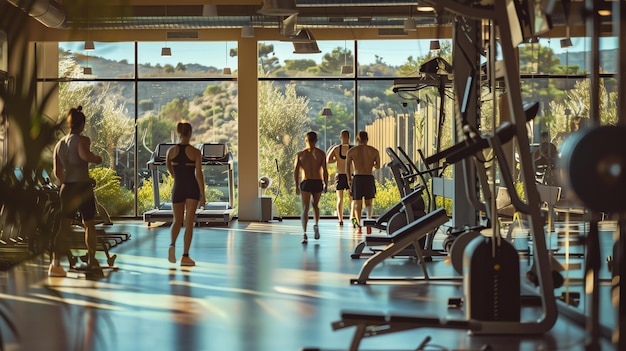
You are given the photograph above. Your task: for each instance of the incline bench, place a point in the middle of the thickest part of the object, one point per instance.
(392, 220)
(370, 324)
(400, 240)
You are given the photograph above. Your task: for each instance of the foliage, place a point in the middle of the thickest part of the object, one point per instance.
(282, 120)
(286, 112)
(342, 118)
(33, 133)
(145, 193)
(288, 204)
(387, 195)
(536, 58)
(575, 105)
(116, 199)
(328, 204)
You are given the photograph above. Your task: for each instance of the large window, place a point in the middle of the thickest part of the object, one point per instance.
(294, 90)
(132, 107)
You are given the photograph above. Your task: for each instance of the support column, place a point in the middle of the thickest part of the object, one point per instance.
(248, 204)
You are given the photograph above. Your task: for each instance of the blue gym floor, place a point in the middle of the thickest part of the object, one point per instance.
(255, 288)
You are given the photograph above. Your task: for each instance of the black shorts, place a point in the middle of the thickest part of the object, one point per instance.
(184, 190)
(341, 181)
(312, 185)
(78, 197)
(363, 186)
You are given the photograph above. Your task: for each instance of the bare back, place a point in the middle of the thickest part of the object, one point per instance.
(338, 154)
(365, 158)
(312, 163)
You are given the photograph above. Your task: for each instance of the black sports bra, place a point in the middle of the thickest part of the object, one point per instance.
(343, 157)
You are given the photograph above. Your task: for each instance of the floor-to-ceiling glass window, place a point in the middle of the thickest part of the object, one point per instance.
(195, 83)
(296, 92)
(134, 106)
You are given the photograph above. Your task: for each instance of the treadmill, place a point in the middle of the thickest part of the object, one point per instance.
(162, 212)
(213, 155)
(216, 157)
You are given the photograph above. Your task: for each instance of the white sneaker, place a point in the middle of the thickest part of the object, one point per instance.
(56, 271)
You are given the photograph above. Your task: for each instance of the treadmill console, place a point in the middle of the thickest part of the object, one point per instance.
(159, 155)
(214, 153)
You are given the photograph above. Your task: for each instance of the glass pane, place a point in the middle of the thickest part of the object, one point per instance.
(210, 107)
(187, 59)
(107, 60)
(277, 59)
(397, 58)
(108, 108)
(546, 55)
(286, 112)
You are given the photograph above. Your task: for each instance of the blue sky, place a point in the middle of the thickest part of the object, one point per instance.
(393, 52)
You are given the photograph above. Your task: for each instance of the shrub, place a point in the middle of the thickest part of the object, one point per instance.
(116, 199)
(387, 195)
(145, 195)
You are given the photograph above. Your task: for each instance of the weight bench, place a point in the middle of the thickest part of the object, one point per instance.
(393, 219)
(399, 241)
(76, 241)
(371, 324)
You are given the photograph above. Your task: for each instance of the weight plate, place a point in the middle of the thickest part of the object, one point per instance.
(593, 166)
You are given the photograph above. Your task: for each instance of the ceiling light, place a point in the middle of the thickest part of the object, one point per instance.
(425, 8)
(87, 70)
(434, 45)
(566, 43)
(247, 32)
(165, 51)
(306, 48)
(226, 71)
(89, 45)
(278, 8)
(410, 25)
(347, 69)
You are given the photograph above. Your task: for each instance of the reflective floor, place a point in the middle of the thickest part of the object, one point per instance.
(255, 287)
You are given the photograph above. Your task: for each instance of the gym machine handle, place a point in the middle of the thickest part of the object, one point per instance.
(505, 132)
(466, 148)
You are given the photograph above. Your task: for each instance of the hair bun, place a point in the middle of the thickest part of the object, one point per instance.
(79, 108)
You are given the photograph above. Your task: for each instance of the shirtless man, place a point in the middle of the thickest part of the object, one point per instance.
(365, 158)
(310, 175)
(337, 154)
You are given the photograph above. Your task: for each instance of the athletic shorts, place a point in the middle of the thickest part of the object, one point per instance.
(363, 186)
(341, 181)
(78, 197)
(183, 190)
(312, 185)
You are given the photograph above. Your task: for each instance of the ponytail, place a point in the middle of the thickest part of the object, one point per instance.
(75, 118)
(183, 128)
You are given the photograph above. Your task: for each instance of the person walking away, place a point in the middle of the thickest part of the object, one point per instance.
(72, 156)
(337, 154)
(184, 163)
(310, 174)
(545, 159)
(364, 159)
